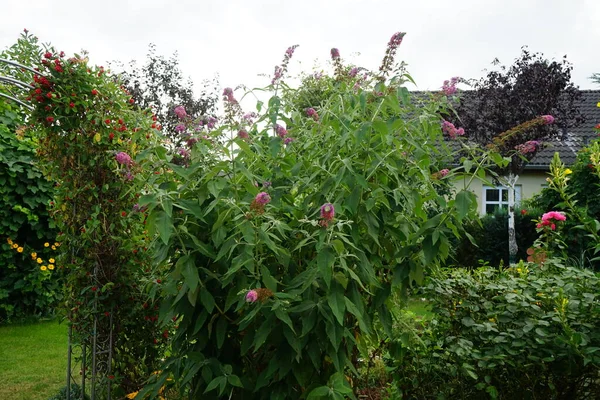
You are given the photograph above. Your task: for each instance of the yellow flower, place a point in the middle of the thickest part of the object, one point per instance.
(14, 246)
(43, 267)
(39, 260)
(9, 241)
(46, 244)
(53, 247)
(598, 105)
(57, 244)
(568, 171)
(51, 261)
(50, 267)
(519, 270)
(20, 249)
(34, 255)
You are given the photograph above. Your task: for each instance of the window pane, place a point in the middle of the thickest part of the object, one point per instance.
(489, 208)
(505, 195)
(492, 195)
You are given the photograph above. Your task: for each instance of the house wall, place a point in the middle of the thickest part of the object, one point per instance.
(531, 182)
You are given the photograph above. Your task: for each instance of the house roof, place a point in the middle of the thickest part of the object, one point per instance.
(575, 138)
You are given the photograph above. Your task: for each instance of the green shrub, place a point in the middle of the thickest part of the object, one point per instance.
(490, 234)
(74, 393)
(24, 223)
(523, 332)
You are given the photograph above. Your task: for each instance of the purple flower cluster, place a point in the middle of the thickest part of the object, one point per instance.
(210, 124)
(263, 198)
(243, 134)
(180, 112)
(281, 69)
(327, 214)
(353, 72)
(451, 130)
(180, 128)
(251, 296)
(312, 113)
(396, 39)
(228, 94)
(528, 147)
(124, 159)
(280, 130)
(335, 54)
(449, 86)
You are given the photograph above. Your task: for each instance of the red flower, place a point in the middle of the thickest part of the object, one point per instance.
(523, 212)
(95, 288)
(131, 101)
(106, 313)
(50, 119)
(123, 214)
(94, 92)
(120, 122)
(166, 334)
(49, 95)
(111, 136)
(107, 121)
(48, 55)
(158, 281)
(71, 104)
(38, 91)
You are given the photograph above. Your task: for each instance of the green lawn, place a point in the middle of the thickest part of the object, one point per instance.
(33, 360)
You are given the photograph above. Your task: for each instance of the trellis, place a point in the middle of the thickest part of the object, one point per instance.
(95, 346)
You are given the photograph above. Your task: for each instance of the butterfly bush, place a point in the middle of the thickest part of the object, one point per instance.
(275, 284)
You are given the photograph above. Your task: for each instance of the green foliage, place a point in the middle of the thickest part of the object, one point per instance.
(576, 192)
(522, 332)
(272, 295)
(490, 235)
(74, 393)
(24, 223)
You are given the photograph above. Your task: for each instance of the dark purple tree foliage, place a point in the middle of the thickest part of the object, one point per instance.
(161, 85)
(509, 96)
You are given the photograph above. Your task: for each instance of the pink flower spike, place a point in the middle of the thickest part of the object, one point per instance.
(251, 296)
(262, 198)
(123, 158)
(444, 172)
(548, 119)
(327, 211)
(180, 112)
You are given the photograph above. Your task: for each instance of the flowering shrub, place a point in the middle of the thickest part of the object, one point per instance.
(282, 254)
(89, 139)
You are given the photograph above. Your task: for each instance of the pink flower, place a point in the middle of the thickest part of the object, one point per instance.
(280, 130)
(228, 93)
(553, 227)
(327, 211)
(180, 128)
(312, 113)
(449, 87)
(444, 172)
(451, 130)
(553, 215)
(335, 54)
(353, 72)
(180, 112)
(242, 134)
(123, 158)
(396, 39)
(251, 296)
(262, 198)
(288, 140)
(548, 119)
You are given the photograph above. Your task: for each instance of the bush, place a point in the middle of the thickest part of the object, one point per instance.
(490, 234)
(522, 332)
(24, 225)
(74, 393)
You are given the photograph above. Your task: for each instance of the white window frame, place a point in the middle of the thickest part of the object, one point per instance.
(500, 203)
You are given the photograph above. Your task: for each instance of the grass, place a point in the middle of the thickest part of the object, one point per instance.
(33, 360)
(420, 308)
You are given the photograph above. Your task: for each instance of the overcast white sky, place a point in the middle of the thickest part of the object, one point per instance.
(240, 39)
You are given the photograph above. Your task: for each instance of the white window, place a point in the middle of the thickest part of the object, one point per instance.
(497, 197)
